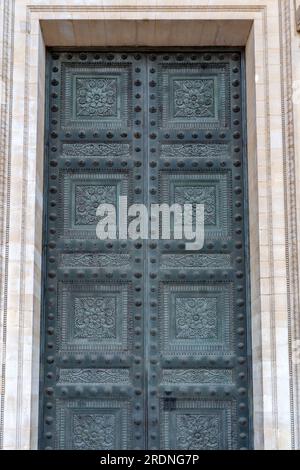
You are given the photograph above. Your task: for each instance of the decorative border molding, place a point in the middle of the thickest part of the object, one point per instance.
(292, 257)
(6, 69)
(145, 8)
(24, 193)
(271, 282)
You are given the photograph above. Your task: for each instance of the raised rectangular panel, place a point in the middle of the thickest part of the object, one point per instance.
(212, 190)
(194, 95)
(196, 318)
(95, 96)
(93, 317)
(199, 425)
(82, 192)
(92, 424)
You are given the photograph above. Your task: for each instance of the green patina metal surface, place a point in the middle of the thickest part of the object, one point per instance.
(144, 344)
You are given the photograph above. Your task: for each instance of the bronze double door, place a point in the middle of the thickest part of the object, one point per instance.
(145, 344)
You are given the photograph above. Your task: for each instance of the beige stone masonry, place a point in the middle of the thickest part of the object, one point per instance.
(267, 30)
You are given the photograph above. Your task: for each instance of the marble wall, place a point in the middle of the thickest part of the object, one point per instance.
(267, 29)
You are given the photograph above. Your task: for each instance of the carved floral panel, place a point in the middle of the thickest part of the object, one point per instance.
(93, 432)
(94, 260)
(196, 261)
(194, 150)
(92, 95)
(213, 190)
(197, 432)
(94, 376)
(96, 97)
(196, 376)
(88, 198)
(95, 318)
(196, 317)
(81, 194)
(103, 150)
(205, 195)
(193, 98)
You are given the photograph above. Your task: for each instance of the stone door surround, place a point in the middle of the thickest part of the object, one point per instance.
(265, 30)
